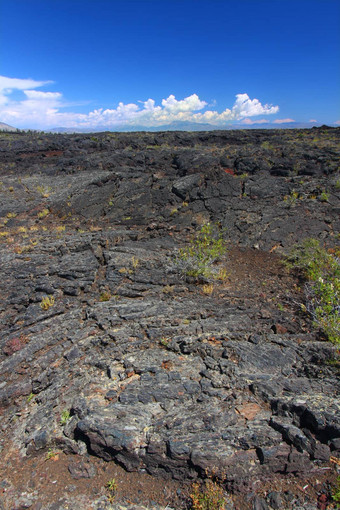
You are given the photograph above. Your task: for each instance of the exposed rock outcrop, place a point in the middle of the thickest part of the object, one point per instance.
(157, 372)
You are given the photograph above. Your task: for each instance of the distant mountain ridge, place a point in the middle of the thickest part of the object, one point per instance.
(174, 126)
(7, 127)
(187, 126)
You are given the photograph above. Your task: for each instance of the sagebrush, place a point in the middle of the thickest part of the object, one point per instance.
(208, 496)
(199, 258)
(321, 269)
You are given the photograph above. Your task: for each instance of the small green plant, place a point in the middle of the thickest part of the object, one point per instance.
(30, 397)
(43, 214)
(105, 296)
(111, 487)
(44, 191)
(51, 454)
(135, 262)
(47, 302)
(321, 269)
(324, 196)
(334, 364)
(65, 416)
(222, 275)
(266, 145)
(208, 289)
(280, 307)
(208, 496)
(197, 259)
(167, 289)
(336, 493)
(291, 199)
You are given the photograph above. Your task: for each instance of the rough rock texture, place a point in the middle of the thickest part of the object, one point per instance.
(159, 373)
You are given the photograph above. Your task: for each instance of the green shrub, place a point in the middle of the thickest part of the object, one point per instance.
(324, 196)
(30, 397)
(51, 454)
(65, 416)
(197, 259)
(336, 493)
(44, 191)
(47, 302)
(290, 200)
(321, 268)
(111, 487)
(42, 214)
(207, 497)
(105, 296)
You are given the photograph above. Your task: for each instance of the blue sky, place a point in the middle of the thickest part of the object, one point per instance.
(94, 63)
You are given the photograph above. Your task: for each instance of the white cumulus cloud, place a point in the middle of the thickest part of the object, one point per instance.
(189, 104)
(39, 109)
(246, 107)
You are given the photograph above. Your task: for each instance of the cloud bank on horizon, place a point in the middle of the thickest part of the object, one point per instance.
(38, 109)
